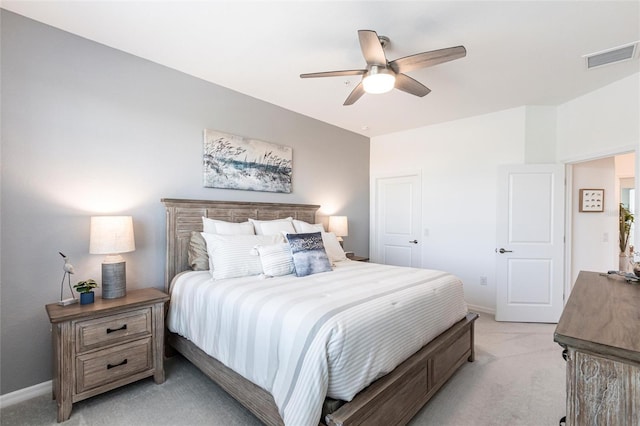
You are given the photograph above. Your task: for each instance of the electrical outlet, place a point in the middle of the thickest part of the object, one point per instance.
(483, 280)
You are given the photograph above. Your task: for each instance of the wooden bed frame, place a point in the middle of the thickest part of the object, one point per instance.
(392, 399)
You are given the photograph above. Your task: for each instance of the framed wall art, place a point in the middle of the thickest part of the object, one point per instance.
(235, 162)
(592, 200)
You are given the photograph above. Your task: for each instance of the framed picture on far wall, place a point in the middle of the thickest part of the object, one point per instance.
(592, 200)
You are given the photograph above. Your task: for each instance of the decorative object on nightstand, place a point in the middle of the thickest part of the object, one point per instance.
(339, 225)
(68, 270)
(105, 345)
(85, 288)
(352, 256)
(112, 235)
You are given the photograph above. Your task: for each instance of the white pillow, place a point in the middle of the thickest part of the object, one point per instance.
(272, 227)
(303, 227)
(215, 226)
(276, 259)
(332, 246)
(231, 256)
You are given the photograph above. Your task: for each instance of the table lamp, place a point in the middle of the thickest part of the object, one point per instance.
(112, 235)
(339, 226)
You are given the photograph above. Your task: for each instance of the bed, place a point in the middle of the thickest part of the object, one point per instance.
(392, 399)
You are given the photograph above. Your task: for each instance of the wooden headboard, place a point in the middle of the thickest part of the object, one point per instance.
(185, 216)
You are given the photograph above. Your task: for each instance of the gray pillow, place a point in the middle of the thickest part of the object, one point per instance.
(197, 253)
(309, 255)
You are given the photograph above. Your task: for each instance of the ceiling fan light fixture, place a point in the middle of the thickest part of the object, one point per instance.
(379, 80)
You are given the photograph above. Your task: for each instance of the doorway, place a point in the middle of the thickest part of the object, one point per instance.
(594, 235)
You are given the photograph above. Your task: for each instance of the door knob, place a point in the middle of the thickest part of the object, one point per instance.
(414, 241)
(505, 251)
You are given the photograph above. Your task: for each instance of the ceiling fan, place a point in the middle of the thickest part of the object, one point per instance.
(382, 75)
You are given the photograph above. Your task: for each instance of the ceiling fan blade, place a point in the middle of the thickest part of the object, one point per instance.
(371, 48)
(427, 59)
(409, 85)
(355, 94)
(333, 73)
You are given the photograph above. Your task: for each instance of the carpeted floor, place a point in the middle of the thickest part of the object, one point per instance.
(518, 378)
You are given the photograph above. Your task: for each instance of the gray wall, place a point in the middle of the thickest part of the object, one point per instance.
(88, 130)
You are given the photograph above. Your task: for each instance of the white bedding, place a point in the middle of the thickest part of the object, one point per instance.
(328, 334)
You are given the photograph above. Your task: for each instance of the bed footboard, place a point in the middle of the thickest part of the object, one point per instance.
(391, 400)
(395, 398)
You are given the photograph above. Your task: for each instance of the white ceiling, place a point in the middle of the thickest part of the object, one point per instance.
(518, 52)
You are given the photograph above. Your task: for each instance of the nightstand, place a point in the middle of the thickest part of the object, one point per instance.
(106, 344)
(357, 258)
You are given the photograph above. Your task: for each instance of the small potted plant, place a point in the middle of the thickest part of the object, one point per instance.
(85, 288)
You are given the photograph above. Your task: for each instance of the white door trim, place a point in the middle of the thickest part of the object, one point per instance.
(568, 229)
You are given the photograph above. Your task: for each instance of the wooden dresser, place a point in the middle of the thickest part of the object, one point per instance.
(106, 344)
(600, 331)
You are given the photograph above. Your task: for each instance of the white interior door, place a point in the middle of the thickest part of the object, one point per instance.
(397, 221)
(530, 237)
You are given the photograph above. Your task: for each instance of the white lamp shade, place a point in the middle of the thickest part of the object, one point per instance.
(111, 235)
(339, 226)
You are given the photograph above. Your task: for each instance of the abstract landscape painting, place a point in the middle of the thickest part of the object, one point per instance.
(234, 162)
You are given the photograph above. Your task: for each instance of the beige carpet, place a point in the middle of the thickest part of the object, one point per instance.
(518, 378)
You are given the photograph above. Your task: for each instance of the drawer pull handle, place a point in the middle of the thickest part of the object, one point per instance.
(110, 366)
(111, 330)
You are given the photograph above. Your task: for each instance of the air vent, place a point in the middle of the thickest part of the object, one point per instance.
(610, 56)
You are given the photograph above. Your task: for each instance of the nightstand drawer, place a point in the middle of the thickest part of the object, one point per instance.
(112, 329)
(109, 365)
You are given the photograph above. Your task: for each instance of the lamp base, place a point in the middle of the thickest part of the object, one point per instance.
(114, 280)
(67, 302)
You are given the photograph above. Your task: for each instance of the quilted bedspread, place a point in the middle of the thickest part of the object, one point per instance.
(328, 334)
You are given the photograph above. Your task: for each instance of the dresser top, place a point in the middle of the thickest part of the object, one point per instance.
(602, 316)
(133, 298)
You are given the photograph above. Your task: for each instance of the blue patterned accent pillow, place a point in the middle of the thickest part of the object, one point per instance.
(309, 256)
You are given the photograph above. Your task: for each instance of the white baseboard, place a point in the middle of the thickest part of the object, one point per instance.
(25, 394)
(481, 309)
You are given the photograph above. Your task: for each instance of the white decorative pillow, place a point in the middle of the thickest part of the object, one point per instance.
(276, 259)
(332, 247)
(272, 227)
(231, 256)
(215, 226)
(305, 227)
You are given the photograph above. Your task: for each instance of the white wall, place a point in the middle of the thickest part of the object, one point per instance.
(625, 165)
(603, 122)
(458, 161)
(540, 133)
